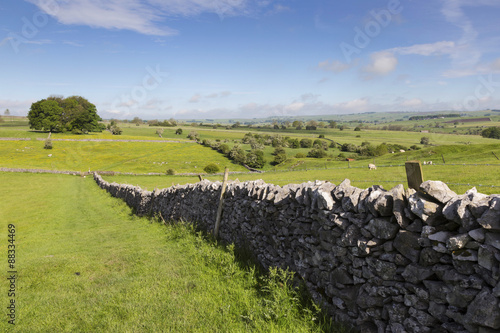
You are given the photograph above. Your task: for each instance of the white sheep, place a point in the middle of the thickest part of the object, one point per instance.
(372, 166)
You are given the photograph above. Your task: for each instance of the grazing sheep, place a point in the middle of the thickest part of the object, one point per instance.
(401, 150)
(49, 155)
(372, 166)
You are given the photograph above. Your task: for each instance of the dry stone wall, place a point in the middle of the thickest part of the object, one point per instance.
(383, 260)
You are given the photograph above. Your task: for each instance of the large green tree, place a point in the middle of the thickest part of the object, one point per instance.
(58, 114)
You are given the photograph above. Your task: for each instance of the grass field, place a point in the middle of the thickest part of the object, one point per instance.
(137, 157)
(85, 263)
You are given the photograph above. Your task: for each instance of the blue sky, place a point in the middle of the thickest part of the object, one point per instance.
(185, 59)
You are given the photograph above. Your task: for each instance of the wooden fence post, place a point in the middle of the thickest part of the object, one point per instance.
(414, 174)
(221, 201)
(495, 155)
(442, 156)
(201, 177)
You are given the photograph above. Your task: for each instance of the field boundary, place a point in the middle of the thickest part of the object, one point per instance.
(398, 260)
(97, 140)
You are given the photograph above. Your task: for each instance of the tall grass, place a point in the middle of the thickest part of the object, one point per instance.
(86, 264)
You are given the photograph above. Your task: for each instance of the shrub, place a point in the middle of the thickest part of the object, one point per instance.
(211, 168)
(306, 143)
(491, 132)
(425, 140)
(279, 151)
(255, 159)
(300, 155)
(293, 143)
(170, 172)
(357, 129)
(48, 144)
(178, 131)
(193, 135)
(317, 153)
(115, 130)
(279, 158)
(224, 149)
(321, 136)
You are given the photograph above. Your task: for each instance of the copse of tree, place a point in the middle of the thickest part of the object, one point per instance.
(56, 114)
(491, 132)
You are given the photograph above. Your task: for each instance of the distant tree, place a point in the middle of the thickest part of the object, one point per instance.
(178, 131)
(279, 158)
(237, 154)
(491, 132)
(317, 153)
(56, 114)
(159, 132)
(425, 140)
(306, 143)
(294, 143)
(211, 168)
(357, 129)
(333, 124)
(137, 121)
(224, 148)
(193, 135)
(7, 112)
(45, 115)
(255, 159)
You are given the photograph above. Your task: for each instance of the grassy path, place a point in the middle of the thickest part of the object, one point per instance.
(86, 264)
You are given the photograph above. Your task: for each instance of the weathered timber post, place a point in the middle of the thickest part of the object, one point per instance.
(442, 156)
(221, 201)
(201, 177)
(495, 155)
(414, 174)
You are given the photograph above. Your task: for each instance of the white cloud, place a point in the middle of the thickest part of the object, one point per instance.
(382, 63)
(334, 66)
(294, 107)
(356, 105)
(412, 102)
(143, 16)
(438, 48)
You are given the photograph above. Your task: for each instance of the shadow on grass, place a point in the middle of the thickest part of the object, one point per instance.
(283, 293)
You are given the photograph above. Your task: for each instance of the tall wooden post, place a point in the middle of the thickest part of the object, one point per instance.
(221, 201)
(414, 174)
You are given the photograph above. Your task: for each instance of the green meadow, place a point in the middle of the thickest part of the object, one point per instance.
(85, 263)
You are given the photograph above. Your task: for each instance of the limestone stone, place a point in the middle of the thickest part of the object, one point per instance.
(407, 244)
(477, 234)
(490, 219)
(484, 310)
(382, 228)
(438, 190)
(429, 212)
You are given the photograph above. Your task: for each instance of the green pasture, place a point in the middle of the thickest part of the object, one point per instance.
(136, 157)
(86, 263)
(482, 177)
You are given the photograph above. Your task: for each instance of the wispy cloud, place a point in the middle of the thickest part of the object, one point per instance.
(334, 66)
(143, 16)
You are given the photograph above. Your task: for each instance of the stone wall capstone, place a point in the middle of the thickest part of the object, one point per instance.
(382, 260)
